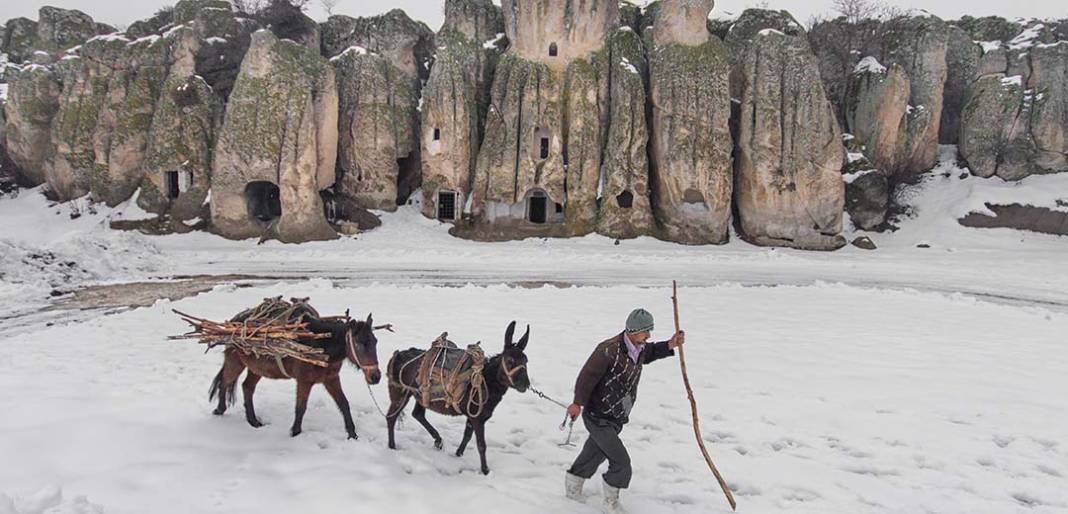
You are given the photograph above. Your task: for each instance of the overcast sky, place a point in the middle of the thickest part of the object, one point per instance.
(122, 12)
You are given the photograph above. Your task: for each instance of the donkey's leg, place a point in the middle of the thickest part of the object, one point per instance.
(480, 440)
(333, 386)
(468, 430)
(227, 381)
(303, 390)
(248, 389)
(419, 413)
(398, 400)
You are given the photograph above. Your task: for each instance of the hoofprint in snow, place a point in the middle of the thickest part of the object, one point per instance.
(900, 380)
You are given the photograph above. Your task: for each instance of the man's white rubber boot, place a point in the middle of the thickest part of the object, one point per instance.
(611, 499)
(573, 486)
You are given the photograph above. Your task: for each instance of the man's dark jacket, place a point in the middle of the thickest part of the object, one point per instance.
(607, 386)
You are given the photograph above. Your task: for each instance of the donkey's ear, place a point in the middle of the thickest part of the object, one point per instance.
(522, 344)
(369, 316)
(508, 334)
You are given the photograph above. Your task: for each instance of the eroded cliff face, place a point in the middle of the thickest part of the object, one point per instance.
(690, 124)
(788, 182)
(556, 32)
(277, 146)
(380, 63)
(1014, 117)
(455, 103)
(541, 118)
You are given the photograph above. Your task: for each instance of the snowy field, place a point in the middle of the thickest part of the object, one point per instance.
(824, 398)
(906, 379)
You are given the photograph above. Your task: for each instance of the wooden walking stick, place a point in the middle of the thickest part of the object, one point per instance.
(693, 403)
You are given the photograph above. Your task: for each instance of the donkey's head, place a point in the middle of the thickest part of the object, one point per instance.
(513, 369)
(361, 346)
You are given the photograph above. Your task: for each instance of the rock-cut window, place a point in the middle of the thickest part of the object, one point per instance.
(553, 50)
(543, 152)
(437, 134)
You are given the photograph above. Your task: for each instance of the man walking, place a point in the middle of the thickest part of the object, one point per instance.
(605, 392)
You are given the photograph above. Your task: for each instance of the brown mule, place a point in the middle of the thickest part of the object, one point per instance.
(354, 340)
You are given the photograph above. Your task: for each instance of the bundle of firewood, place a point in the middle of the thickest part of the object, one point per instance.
(267, 338)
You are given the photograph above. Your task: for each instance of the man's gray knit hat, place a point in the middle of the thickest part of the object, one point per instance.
(639, 321)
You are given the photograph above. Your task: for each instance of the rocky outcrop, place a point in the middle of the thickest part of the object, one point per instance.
(401, 41)
(625, 189)
(225, 38)
(540, 164)
(378, 84)
(60, 29)
(20, 39)
(187, 11)
(918, 45)
(556, 32)
(962, 66)
(277, 147)
(690, 122)
(33, 99)
(915, 44)
(177, 166)
(379, 127)
(877, 113)
(110, 89)
(455, 102)
(788, 184)
(1015, 116)
(522, 151)
(867, 198)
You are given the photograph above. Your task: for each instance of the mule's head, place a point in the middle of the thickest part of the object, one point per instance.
(513, 369)
(361, 346)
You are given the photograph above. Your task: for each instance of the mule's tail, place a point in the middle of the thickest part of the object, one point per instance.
(219, 388)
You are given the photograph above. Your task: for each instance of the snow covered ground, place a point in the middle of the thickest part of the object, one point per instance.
(898, 380)
(822, 398)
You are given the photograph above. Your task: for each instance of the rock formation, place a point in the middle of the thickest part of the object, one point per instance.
(1014, 119)
(690, 122)
(455, 102)
(876, 112)
(962, 66)
(538, 170)
(33, 99)
(625, 203)
(178, 162)
(788, 184)
(277, 146)
(378, 82)
(536, 118)
(913, 50)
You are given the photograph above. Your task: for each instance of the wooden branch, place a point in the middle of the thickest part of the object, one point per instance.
(693, 403)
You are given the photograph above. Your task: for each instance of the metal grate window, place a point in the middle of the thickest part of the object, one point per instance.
(446, 205)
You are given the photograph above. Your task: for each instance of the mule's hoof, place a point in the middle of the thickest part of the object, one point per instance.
(438, 444)
(294, 432)
(485, 470)
(392, 446)
(255, 423)
(218, 412)
(353, 436)
(459, 453)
